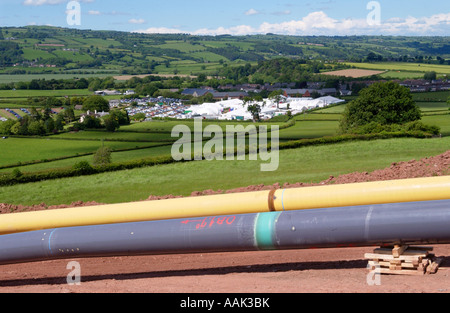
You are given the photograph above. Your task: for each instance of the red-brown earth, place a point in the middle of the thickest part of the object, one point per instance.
(297, 271)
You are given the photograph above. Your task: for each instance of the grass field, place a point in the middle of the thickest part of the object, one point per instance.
(119, 156)
(443, 121)
(122, 136)
(151, 139)
(24, 94)
(310, 164)
(402, 75)
(310, 129)
(409, 67)
(354, 73)
(14, 150)
(5, 78)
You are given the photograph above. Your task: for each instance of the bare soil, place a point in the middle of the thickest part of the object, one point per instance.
(297, 271)
(354, 73)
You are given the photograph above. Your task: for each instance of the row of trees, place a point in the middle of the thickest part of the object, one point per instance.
(110, 122)
(36, 124)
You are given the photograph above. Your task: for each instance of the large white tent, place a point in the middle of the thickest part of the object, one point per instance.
(237, 109)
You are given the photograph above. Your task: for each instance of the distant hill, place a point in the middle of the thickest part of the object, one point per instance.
(52, 50)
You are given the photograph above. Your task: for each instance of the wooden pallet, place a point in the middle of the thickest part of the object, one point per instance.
(403, 260)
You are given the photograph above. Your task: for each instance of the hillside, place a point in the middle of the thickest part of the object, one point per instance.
(38, 49)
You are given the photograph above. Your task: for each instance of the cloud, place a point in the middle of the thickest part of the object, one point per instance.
(137, 21)
(319, 23)
(280, 13)
(49, 2)
(252, 12)
(92, 12)
(161, 30)
(42, 2)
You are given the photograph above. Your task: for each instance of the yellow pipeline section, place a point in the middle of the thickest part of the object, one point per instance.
(327, 196)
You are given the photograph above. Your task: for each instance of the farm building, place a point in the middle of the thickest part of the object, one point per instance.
(93, 114)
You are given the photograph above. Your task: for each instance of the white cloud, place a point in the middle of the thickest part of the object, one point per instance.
(161, 30)
(252, 12)
(49, 2)
(137, 21)
(42, 2)
(319, 23)
(92, 12)
(280, 13)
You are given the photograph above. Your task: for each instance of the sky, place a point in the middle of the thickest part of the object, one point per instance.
(237, 17)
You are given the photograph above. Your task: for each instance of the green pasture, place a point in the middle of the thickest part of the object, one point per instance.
(156, 149)
(402, 75)
(34, 54)
(309, 164)
(7, 78)
(121, 136)
(181, 46)
(24, 94)
(438, 96)
(397, 66)
(310, 129)
(319, 116)
(15, 150)
(443, 121)
(433, 106)
(167, 126)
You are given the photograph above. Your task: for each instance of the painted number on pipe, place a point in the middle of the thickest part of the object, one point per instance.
(210, 221)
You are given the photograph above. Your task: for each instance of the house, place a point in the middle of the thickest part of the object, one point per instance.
(229, 95)
(297, 92)
(93, 114)
(114, 103)
(107, 93)
(196, 92)
(345, 92)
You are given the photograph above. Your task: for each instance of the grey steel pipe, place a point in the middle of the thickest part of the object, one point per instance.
(385, 224)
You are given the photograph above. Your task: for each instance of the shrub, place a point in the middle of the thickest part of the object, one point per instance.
(102, 157)
(83, 168)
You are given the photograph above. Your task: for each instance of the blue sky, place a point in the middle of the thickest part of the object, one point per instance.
(291, 17)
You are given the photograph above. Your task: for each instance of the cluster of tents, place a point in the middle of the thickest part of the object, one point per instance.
(236, 109)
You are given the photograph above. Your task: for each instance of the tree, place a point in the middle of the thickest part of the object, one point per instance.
(49, 125)
(102, 156)
(36, 128)
(5, 127)
(83, 167)
(384, 103)
(255, 110)
(96, 103)
(430, 76)
(111, 123)
(140, 117)
(276, 95)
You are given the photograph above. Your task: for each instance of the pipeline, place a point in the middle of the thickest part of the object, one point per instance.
(384, 224)
(396, 191)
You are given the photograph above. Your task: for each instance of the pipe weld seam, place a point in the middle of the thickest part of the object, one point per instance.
(272, 200)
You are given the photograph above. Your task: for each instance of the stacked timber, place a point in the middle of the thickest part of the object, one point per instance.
(403, 260)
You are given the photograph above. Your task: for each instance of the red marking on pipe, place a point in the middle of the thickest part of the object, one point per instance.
(210, 221)
(190, 221)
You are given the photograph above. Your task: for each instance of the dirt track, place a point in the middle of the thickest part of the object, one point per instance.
(297, 271)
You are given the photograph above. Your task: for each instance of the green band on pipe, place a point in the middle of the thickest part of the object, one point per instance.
(265, 229)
